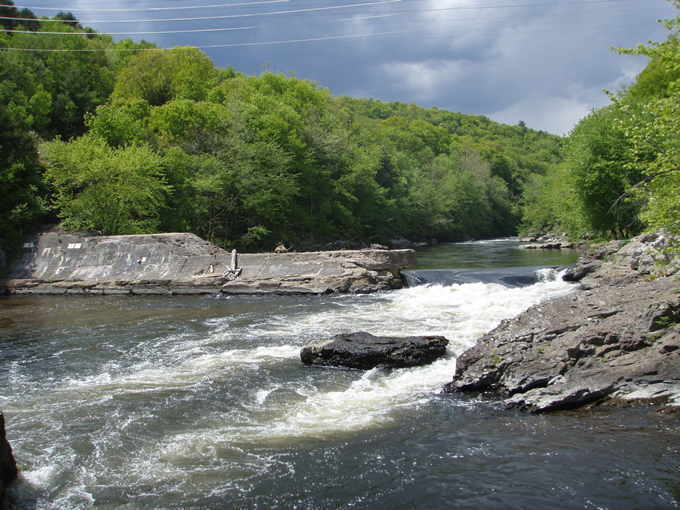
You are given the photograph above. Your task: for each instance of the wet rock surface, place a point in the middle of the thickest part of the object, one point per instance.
(364, 351)
(615, 340)
(8, 466)
(547, 242)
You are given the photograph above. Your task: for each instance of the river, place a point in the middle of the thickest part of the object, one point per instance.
(202, 402)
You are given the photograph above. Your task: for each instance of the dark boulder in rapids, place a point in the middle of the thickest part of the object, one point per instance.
(364, 351)
(8, 466)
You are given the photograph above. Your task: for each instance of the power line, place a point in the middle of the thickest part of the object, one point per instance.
(457, 34)
(328, 22)
(157, 32)
(196, 7)
(317, 9)
(90, 9)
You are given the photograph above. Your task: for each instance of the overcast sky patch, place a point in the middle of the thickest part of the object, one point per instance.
(541, 61)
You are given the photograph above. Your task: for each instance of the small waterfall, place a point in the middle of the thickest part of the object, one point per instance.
(508, 277)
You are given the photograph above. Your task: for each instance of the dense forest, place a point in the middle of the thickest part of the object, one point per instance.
(124, 137)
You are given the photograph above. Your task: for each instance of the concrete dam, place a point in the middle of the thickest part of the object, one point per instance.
(183, 264)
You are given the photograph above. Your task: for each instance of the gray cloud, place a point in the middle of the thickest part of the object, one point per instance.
(541, 61)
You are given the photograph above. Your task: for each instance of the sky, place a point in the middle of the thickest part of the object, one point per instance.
(544, 62)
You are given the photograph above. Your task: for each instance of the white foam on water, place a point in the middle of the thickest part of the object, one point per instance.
(373, 398)
(184, 375)
(41, 477)
(311, 403)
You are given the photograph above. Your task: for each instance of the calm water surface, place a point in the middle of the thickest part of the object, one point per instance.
(200, 402)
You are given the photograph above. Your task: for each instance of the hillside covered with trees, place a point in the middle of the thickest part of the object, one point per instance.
(123, 137)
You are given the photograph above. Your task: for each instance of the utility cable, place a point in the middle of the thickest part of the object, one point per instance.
(331, 38)
(300, 11)
(288, 26)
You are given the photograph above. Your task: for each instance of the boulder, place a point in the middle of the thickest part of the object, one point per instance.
(364, 351)
(8, 466)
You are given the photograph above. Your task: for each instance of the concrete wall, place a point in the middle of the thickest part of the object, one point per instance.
(180, 263)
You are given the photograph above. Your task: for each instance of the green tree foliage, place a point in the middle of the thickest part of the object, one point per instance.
(69, 84)
(258, 160)
(106, 190)
(622, 161)
(15, 19)
(157, 76)
(21, 187)
(159, 140)
(652, 127)
(597, 161)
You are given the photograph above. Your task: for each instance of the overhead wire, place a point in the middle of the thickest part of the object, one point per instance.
(430, 36)
(94, 9)
(299, 11)
(318, 23)
(311, 10)
(195, 7)
(311, 39)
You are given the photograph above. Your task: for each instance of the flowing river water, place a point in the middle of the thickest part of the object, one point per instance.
(202, 402)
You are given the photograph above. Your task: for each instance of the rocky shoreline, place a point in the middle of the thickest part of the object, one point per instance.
(614, 341)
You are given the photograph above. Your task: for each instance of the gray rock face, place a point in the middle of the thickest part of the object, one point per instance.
(547, 242)
(364, 351)
(616, 340)
(8, 466)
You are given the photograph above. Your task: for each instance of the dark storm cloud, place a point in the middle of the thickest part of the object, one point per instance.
(541, 61)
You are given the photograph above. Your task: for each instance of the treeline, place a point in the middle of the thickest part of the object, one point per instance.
(120, 138)
(621, 173)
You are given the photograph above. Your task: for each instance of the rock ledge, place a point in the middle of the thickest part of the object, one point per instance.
(615, 340)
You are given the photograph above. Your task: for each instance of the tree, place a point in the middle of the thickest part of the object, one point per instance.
(157, 76)
(110, 191)
(147, 76)
(599, 173)
(21, 188)
(652, 128)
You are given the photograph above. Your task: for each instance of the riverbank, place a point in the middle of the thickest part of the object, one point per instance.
(614, 341)
(183, 264)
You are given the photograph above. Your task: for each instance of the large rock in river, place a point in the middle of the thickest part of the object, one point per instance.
(365, 351)
(8, 466)
(615, 340)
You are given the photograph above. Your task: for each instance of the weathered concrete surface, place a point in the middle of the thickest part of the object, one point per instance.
(8, 466)
(364, 351)
(180, 263)
(616, 340)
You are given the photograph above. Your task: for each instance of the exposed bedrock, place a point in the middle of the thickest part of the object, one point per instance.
(8, 466)
(617, 339)
(364, 351)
